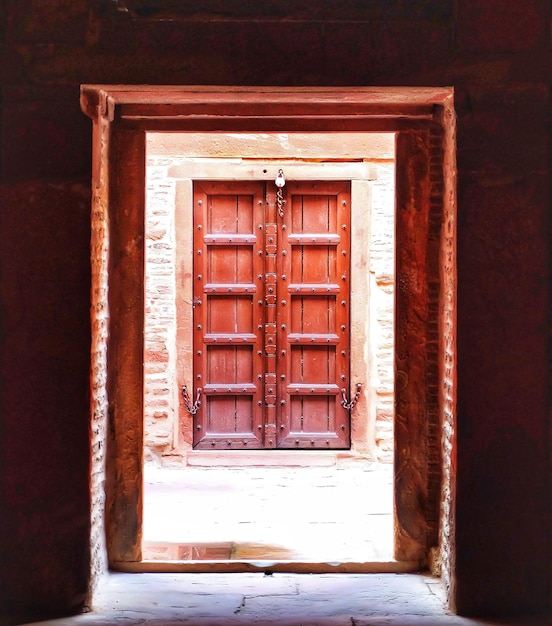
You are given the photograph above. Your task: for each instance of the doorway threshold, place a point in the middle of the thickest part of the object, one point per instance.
(276, 458)
(268, 567)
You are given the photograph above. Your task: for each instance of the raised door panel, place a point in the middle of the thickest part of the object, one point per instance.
(228, 314)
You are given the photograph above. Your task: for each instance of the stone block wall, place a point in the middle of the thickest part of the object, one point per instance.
(382, 290)
(161, 390)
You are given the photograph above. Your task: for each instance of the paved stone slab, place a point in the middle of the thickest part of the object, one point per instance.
(273, 600)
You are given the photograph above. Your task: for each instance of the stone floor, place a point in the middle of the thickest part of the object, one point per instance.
(278, 599)
(338, 512)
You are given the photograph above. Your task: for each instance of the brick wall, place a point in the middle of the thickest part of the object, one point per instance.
(161, 389)
(382, 277)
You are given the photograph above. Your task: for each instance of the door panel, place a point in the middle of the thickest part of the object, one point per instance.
(313, 315)
(229, 416)
(312, 416)
(271, 315)
(312, 264)
(229, 264)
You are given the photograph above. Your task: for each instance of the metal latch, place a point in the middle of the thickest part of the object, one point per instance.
(350, 404)
(191, 408)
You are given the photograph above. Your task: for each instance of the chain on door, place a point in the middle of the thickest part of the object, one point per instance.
(271, 274)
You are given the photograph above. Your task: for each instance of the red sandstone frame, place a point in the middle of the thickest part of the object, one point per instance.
(425, 323)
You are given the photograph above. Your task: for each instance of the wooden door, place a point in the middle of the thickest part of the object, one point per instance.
(271, 315)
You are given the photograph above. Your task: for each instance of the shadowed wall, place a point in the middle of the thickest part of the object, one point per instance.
(497, 56)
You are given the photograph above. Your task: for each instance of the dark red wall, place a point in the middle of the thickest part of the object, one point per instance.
(497, 56)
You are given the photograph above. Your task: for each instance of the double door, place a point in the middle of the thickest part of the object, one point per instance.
(271, 315)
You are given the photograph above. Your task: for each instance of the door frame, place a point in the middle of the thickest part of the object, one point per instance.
(361, 177)
(425, 365)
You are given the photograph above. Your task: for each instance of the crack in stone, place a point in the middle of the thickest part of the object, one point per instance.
(241, 606)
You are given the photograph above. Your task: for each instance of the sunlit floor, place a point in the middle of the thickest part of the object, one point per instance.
(342, 512)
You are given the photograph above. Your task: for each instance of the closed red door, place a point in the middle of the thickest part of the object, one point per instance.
(271, 315)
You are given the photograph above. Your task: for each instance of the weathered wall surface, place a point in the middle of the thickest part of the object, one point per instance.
(497, 56)
(382, 291)
(161, 397)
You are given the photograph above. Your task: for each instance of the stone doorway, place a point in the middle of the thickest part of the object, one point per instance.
(425, 330)
(241, 487)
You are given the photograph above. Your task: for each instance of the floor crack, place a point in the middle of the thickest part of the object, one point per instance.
(241, 606)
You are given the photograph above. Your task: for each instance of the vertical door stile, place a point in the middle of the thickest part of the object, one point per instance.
(271, 295)
(199, 311)
(343, 310)
(284, 324)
